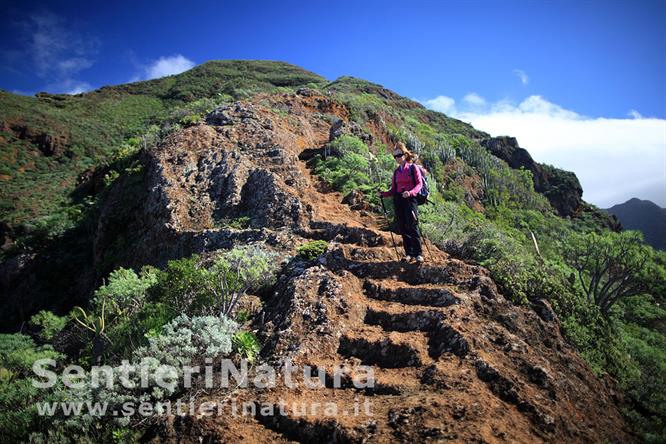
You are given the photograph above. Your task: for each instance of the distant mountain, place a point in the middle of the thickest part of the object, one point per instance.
(645, 216)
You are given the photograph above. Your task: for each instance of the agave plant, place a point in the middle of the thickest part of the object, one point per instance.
(96, 325)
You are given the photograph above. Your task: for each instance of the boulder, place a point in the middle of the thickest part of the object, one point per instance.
(350, 128)
(356, 200)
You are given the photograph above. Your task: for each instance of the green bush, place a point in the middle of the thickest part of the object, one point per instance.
(236, 272)
(111, 177)
(362, 106)
(599, 341)
(134, 307)
(312, 250)
(349, 165)
(18, 413)
(134, 331)
(189, 287)
(185, 340)
(191, 119)
(247, 345)
(240, 223)
(125, 291)
(128, 316)
(181, 286)
(49, 323)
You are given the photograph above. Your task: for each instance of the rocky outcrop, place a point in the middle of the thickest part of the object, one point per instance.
(49, 143)
(340, 127)
(562, 188)
(242, 163)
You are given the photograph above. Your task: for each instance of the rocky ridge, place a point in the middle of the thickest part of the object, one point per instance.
(453, 359)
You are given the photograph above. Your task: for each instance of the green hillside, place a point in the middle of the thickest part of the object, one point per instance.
(37, 187)
(64, 159)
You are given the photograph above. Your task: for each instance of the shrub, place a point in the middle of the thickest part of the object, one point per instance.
(191, 288)
(111, 177)
(599, 342)
(132, 332)
(125, 291)
(312, 250)
(18, 352)
(362, 105)
(236, 272)
(186, 339)
(18, 413)
(191, 119)
(120, 315)
(240, 223)
(181, 286)
(647, 348)
(349, 165)
(49, 323)
(247, 345)
(243, 316)
(131, 308)
(183, 341)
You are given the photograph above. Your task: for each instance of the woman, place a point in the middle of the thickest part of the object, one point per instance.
(405, 186)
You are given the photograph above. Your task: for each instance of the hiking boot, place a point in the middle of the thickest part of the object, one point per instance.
(419, 259)
(407, 259)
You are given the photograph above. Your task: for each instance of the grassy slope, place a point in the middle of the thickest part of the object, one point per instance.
(34, 185)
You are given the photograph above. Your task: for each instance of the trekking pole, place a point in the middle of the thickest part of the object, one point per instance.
(425, 238)
(388, 223)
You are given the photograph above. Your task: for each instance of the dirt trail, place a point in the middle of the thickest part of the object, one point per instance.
(408, 336)
(452, 359)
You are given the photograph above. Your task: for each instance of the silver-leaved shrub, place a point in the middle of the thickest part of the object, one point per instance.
(183, 341)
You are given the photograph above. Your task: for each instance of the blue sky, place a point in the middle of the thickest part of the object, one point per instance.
(596, 64)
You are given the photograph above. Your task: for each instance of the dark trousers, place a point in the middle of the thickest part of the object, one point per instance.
(407, 213)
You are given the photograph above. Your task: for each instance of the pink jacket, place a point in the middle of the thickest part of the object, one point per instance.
(402, 181)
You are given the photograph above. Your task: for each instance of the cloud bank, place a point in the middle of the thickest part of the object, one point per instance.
(614, 159)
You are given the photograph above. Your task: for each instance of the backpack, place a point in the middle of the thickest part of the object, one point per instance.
(422, 196)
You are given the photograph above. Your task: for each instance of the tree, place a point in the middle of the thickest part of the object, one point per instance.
(611, 266)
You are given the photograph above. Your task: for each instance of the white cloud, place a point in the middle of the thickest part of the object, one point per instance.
(614, 159)
(74, 65)
(522, 75)
(78, 88)
(474, 99)
(167, 66)
(442, 104)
